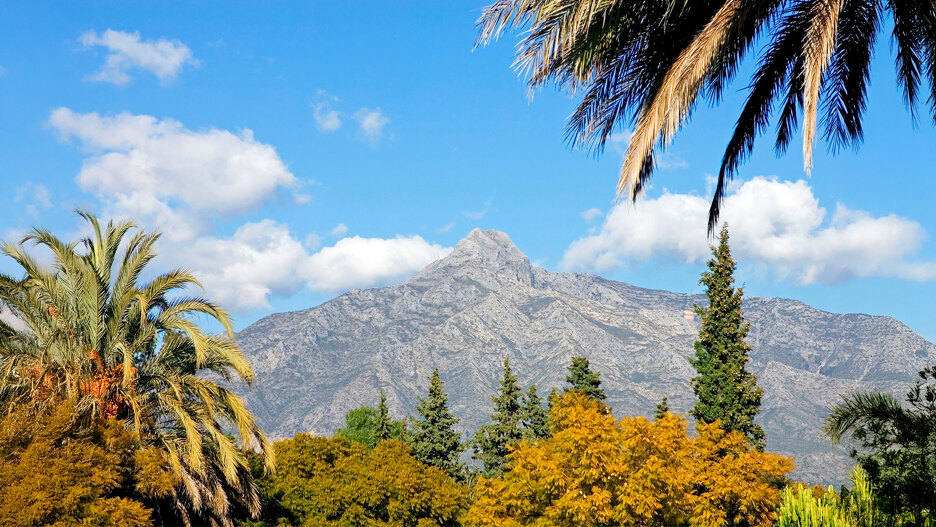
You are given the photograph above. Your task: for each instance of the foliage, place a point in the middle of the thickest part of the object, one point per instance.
(89, 330)
(856, 507)
(899, 443)
(725, 391)
(660, 410)
(364, 426)
(61, 467)
(493, 441)
(434, 439)
(596, 470)
(582, 379)
(332, 482)
(535, 419)
(642, 66)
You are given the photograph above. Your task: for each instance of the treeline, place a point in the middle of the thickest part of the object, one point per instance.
(107, 417)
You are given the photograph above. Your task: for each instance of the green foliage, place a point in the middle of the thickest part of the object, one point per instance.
(493, 441)
(898, 443)
(61, 467)
(725, 391)
(132, 350)
(364, 425)
(856, 507)
(535, 418)
(335, 482)
(660, 410)
(582, 379)
(434, 439)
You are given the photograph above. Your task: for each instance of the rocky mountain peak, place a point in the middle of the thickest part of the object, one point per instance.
(483, 254)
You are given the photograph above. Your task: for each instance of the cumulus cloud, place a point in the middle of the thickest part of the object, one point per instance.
(776, 226)
(158, 169)
(163, 58)
(263, 259)
(371, 124)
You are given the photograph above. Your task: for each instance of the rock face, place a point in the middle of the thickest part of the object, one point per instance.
(464, 313)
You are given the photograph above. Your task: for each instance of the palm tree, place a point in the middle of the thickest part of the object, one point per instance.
(899, 443)
(88, 328)
(645, 63)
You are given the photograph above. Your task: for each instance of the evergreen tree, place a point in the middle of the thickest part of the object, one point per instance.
(583, 380)
(724, 390)
(383, 419)
(435, 441)
(535, 419)
(660, 410)
(492, 440)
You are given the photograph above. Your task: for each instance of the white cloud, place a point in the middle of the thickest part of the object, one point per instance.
(159, 170)
(479, 214)
(447, 227)
(368, 262)
(163, 58)
(371, 124)
(35, 196)
(590, 214)
(263, 259)
(326, 119)
(339, 230)
(776, 226)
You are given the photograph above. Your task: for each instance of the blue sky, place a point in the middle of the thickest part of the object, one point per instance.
(310, 148)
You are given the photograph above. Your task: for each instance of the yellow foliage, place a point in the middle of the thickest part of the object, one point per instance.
(596, 470)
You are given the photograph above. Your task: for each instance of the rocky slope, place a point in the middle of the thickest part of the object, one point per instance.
(464, 313)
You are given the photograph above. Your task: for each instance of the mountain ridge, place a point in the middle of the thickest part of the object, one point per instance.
(485, 300)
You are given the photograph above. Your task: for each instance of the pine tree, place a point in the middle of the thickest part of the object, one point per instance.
(383, 419)
(435, 441)
(660, 410)
(583, 380)
(535, 419)
(724, 390)
(492, 442)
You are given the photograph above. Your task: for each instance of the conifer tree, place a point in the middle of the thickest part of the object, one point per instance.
(384, 431)
(660, 410)
(492, 440)
(724, 389)
(535, 419)
(582, 379)
(435, 441)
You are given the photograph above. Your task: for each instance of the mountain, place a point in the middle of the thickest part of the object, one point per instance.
(464, 313)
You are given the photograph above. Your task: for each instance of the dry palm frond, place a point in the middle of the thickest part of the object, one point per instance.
(817, 52)
(671, 103)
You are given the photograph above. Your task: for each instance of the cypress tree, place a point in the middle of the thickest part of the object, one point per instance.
(384, 431)
(582, 379)
(660, 410)
(535, 420)
(492, 440)
(435, 441)
(724, 390)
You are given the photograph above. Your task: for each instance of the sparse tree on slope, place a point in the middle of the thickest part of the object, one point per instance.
(725, 391)
(535, 419)
(582, 379)
(435, 441)
(492, 442)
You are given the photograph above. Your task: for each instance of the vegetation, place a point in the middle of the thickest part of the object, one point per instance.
(596, 470)
(368, 425)
(89, 331)
(660, 410)
(725, 391)
(434, 439)
(535, 419)
(898, 443)
(643, 65)
(336, 482)
(493, 441)
(582, 379)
